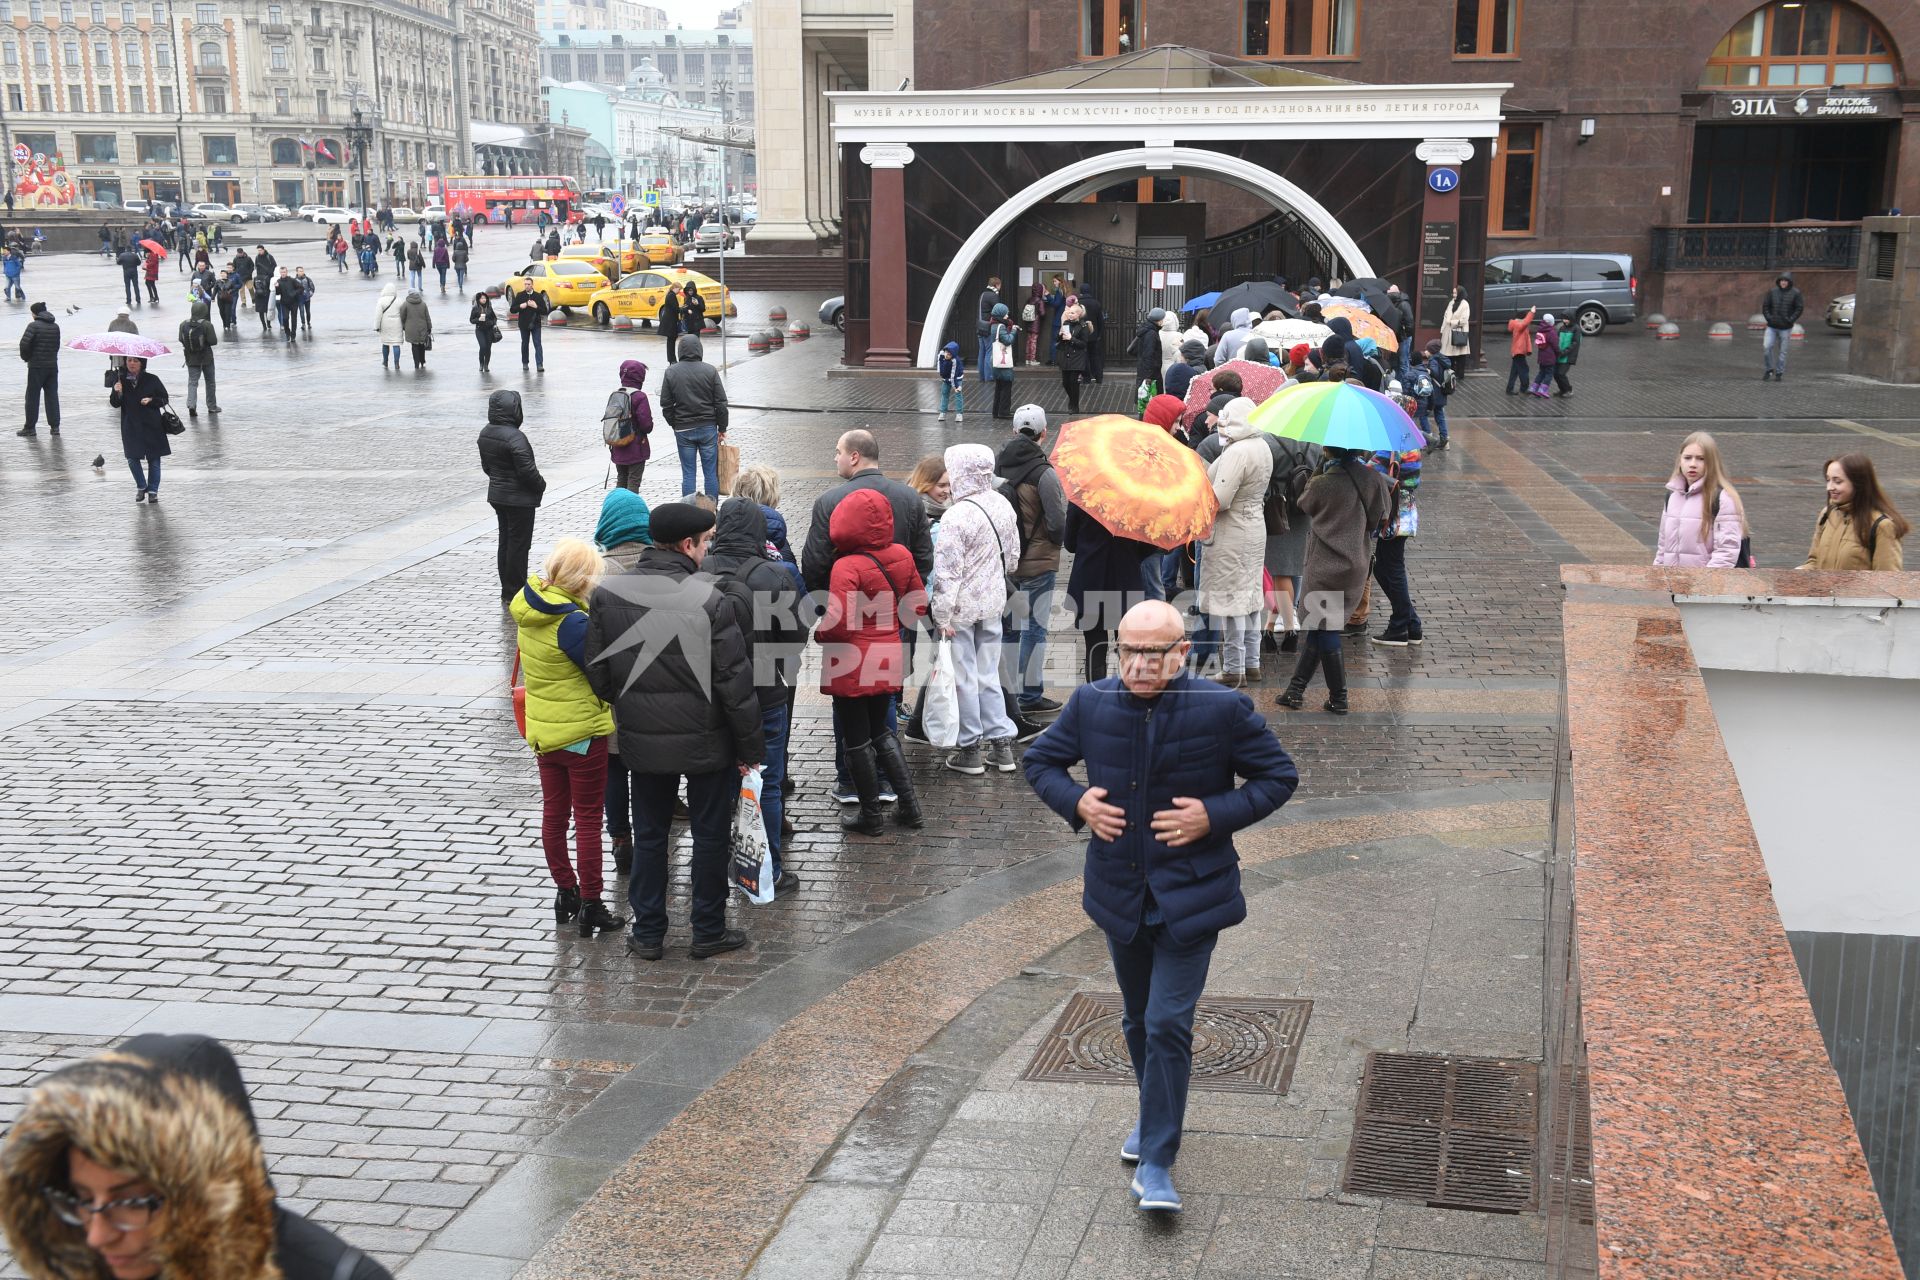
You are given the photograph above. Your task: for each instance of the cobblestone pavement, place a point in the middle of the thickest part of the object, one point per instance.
(262, 779)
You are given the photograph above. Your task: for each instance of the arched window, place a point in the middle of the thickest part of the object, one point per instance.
(1802, 43)
(286, 151)
(210, 55)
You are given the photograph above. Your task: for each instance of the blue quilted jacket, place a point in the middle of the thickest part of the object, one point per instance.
(1194, 739)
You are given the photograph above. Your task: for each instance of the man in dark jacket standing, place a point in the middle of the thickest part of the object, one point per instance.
(1162, 749)
(983, 321)
(1146, 352)
(40, 349)
(514, 487)
(1027, 480)
(693, 400)
(129, 260)
(1781, 310)
(663, 648)
(264, 262)
(1402, 322)
(766, 607)
(198, 338)
(530, 312)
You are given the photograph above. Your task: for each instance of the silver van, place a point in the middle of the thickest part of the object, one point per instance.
(1597, 289)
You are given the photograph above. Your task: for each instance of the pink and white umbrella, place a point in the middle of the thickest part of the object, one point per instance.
(120, 344)
(1257, 382)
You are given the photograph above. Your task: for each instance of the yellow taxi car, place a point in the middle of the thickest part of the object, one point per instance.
(639, 295)
(604, 260)
(661, 250)
(564, 284)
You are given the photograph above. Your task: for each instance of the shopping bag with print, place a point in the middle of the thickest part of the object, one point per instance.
(751, 864)
(940, 716)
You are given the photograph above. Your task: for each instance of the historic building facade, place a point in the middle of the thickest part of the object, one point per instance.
(698, 67)
(254, 100)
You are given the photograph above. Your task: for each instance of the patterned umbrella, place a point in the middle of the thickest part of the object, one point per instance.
(1281, 334)
(1257, 382)
(1136, 480)
(1365, 325)
(121, 344)
(1344, 415)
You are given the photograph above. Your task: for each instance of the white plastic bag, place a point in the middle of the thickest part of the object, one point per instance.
(940, 716)
(751, 864)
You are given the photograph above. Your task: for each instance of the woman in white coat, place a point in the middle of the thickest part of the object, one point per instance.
(1456, 327)
(386, 323)
(1169, 340)
(1230, 570)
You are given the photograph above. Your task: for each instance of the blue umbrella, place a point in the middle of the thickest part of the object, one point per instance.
(1204, 300)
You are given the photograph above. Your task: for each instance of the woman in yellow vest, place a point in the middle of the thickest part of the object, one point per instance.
(567, 726)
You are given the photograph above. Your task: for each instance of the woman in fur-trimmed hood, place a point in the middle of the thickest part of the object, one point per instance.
(161, 1128)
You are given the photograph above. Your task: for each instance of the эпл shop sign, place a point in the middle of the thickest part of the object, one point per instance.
(1784, 107)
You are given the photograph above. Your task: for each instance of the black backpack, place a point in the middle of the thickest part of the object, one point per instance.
(195, 341)
(1290, 477)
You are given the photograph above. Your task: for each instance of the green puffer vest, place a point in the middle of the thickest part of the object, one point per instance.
(562, 707)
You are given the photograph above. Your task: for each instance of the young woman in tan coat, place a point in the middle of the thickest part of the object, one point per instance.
(1860, 528)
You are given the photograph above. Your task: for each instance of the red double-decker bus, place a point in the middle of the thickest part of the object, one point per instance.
(489, 196)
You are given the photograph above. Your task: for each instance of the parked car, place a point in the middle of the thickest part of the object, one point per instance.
(1596, 289)
(135, 206)
(253, 213)
(834, 312)
(639, 295)
(332, 215)
(307, 210)
(278, 212)
(217, 213)
(1840, 313)
(713, 237)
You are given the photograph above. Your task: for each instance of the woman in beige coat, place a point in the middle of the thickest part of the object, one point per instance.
(1456, 327)
(1235, 555)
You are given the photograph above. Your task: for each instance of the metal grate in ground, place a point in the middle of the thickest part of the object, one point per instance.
(1453, 1133)
(1241, 1044)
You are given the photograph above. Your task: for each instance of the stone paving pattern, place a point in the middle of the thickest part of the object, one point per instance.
(260, 744)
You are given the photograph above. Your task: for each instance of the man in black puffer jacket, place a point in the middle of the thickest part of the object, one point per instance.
(514, 487)
(1781, 309)
(663, 648)
(40, 348)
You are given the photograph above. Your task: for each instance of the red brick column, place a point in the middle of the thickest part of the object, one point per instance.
(887, 260)
(1439, 236)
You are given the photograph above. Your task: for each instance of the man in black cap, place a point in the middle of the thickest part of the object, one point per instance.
(665, 650)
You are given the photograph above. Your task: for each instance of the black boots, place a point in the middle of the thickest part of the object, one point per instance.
(566, 905)
(594, 915)
(1334, 666)
(1302, 676)
(623, 855)
(863, 769)
(893, 763)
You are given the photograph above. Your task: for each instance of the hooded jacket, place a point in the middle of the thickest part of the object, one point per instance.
(1782, 307)
(817, 555)
(1170, 345)
(763, 595)
(692, 394)
(1230, 570)
(202, 359)
(1344, 504)
(1520, 329)
(682, 706)
(1193, 360)
(416, 319)
(1146, 349)
(173, 1110)
(386, 316)
(40, 342)
(506, 455)
(1680, 542)
(1342, 345)
(1039, 504)
(562, 707)
(1235, 337)
(633, 376)
(979, 543)
(860, 650)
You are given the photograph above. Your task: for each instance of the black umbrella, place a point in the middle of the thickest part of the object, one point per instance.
(1371, 290)
(1257, 296)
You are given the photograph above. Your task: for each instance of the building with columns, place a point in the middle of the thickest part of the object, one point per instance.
(640, 128)
(254, 100)
(698, 67)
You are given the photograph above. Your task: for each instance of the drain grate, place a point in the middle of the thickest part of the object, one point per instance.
(1240, 1044)
(1454, 1133)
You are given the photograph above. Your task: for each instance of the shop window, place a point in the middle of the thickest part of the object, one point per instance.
(1516, 180)
(156, 148)
(40, 144)
(1486, 28)
(1785, 173)
(1800, 44)
(97, 148)
(1302, 28)
(1108, 27)
(220, 148)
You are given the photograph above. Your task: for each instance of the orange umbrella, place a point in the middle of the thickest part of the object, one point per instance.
(1136, 480)
(1365, 325)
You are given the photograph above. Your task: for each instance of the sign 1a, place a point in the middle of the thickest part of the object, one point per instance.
(1443, 180)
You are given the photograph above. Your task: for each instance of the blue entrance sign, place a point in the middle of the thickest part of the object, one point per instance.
(1443, 180)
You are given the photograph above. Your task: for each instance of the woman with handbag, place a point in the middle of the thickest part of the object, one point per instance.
(693, 310)
(1456, 327)
(1000, 339)
(145, 424)
(1070, 351)
(486, 327)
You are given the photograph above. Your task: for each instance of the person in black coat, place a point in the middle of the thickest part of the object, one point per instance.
(1097, 338)
(1106, 581)
(1070, 353)
(40, 349)
(693, 310)
(514, 487)
(139, 396)
(1146, 351)
(486, 327)
(156, 1118)
(670, 323)
(529, 312)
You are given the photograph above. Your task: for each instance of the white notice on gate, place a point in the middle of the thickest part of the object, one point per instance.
(1026, 277)
(1176, 279)
(1158, 280)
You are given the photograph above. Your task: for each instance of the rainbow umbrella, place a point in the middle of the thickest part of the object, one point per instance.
(1342, 415)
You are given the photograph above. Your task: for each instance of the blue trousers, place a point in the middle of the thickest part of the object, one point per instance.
(985, 369)
(1160, 984)
(773, 776)
(1037, 592)
(701, 445)
(710, 801)
(1439, 419)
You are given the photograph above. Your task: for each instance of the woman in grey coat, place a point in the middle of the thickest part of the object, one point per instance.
(1345, 503)
(416, 322)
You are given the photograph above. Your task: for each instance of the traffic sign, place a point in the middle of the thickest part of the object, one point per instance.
(1443, 180)
(619, 204)
(650, 197)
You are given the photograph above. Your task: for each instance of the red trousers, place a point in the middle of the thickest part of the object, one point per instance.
(570, 780)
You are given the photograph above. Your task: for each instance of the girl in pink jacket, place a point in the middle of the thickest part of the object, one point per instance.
(1703, 524)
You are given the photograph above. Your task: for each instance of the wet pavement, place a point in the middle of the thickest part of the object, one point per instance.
(263, 781)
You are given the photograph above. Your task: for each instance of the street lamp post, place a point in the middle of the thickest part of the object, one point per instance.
(179, 101)
(362, 138)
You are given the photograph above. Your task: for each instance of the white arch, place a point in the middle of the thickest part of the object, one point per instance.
(1242, 173)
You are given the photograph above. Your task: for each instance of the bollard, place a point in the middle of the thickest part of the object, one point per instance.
(623, 322)
(778, 315)
(1668, 331)
(557, 318)
(1720, 332)
(1655, 320)
(776, 338)
(798, 330)
(757, 341)
(1797, 334)
(1756, 323)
